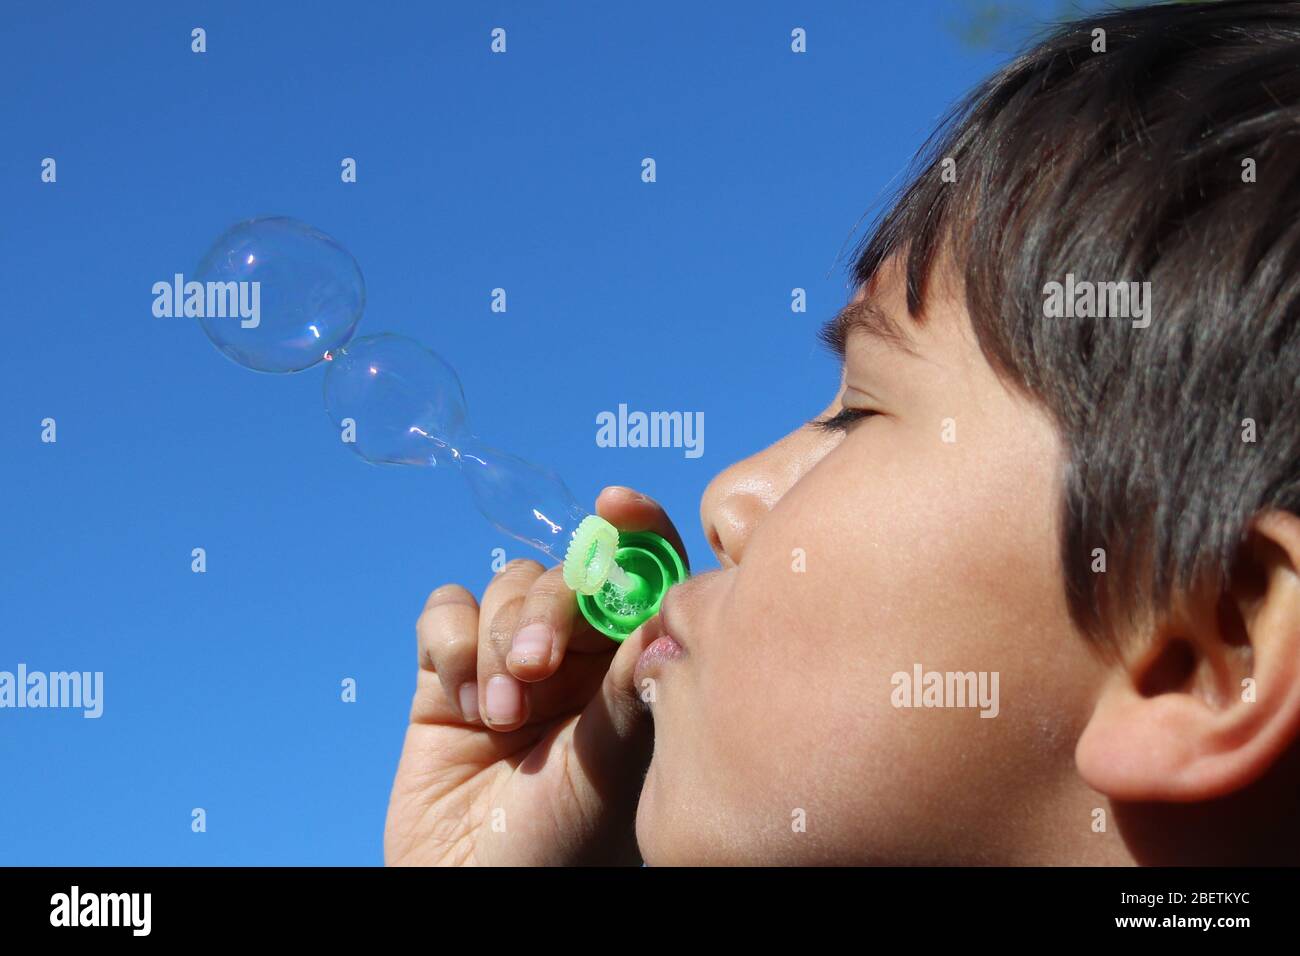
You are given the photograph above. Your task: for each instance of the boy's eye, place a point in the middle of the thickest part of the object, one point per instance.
(841, 420)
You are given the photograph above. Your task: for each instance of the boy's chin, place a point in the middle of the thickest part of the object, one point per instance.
(646, 829)
(655, 838)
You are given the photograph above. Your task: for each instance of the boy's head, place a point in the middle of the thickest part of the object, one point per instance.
(1034, 595)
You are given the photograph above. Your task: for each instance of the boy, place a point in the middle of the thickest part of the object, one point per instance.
(1028, 592)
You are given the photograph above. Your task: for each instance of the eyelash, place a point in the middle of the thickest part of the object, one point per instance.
(841, 420)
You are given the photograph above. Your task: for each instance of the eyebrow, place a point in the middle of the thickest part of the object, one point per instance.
(863, 315)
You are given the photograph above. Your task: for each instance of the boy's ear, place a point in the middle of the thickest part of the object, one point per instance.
(1212, 700)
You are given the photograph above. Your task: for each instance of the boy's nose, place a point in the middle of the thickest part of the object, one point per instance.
(739, 498)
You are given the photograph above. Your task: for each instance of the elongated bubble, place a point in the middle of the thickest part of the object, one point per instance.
(290, 296)
(524, 500)
(395, 401)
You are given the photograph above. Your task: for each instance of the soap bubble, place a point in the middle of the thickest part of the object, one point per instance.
(528, 501)
(405, 403)
(308, 298)
(397, 402)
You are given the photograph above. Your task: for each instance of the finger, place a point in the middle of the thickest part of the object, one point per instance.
(614, 734)
(502, 702)
(564, 692)
(542, 632)
(571, 687)
(629, 510)
(447, 636)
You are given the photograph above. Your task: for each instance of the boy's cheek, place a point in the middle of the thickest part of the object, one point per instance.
(787, 694)
(762, 755)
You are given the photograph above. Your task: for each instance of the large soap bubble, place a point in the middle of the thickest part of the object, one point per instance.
(305, 291)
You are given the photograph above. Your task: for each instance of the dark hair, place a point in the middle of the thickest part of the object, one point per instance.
(1129, 165)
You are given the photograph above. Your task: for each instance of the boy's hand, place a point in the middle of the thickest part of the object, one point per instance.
(527, 756)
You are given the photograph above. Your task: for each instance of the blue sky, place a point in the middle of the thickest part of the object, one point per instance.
(475, 171)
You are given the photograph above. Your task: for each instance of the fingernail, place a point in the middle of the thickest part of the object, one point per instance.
(505, 700)
(532, 645)
(469, 701)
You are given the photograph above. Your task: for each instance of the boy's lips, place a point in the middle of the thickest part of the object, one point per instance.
(660, 646)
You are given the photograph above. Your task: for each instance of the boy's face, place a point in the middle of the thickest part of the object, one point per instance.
(927, 535)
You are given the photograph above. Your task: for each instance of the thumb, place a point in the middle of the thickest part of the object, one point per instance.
(614, 736)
